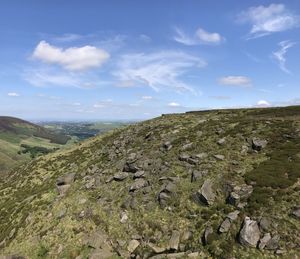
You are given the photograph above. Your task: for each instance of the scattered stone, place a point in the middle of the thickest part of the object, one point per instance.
(206, 193)
(196, 175)
(63, 183)
(120, 176)
(187, 235)
(139, 174)
(133, 245)
(249, 234)
(124, 217)
(244, 150)
(265, 224)
(130, 167)
(225, 226)
(157, 249)
(280, 252)
(219, 157)
(138, 184)
(202, 155)
(264, 241)
(296, 212)
(240, 193)
(90, 183)
(207, 232)
(273, 244)
(167, 145)
(187, 146)
(221, 141)
(233, 215)
(174, 240)
(259, 144)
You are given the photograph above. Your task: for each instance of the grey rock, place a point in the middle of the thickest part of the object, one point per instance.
(138, 184)
(265, 224)
(221, 141)
(219, 157)
(120, 176)
(225, 226)
(156, 249)
(202, 155)
(130, 167)
(196, 175)
(296, 212)
(273, 244)
(259, 144)
(207, 232)
(167, 145)
(206, 193)
(174, 241)
(233, 215)
(186, 235)
(124, 217)
(249, 234)
(240, 193)
(187, 146)
(63, 183)
(139, 174)
(264, 241)
(133, 245)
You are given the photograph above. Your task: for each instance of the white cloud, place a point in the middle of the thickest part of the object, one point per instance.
(73, 59)
(263, 103)
(145, 38)
(13, 94)
(157, 70)
(201, 36)
(147, 97)
(76, 104)
(241, 81)
(280, 54)
(174, 104)
(265, 20)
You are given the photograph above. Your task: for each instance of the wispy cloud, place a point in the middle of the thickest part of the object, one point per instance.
(279, 55)
(72, 59)
(48, 77)
(265, 20)
(220, 97)
(201, 36)
(241, 81)
(147, 97)
(158, 70)
(13, 94)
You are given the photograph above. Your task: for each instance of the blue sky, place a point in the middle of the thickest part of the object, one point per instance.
(134, 59)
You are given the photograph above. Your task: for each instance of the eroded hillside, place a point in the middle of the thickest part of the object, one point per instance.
(215, 184)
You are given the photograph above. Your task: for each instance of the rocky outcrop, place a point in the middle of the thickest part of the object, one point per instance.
(249, 234)
(206, 194)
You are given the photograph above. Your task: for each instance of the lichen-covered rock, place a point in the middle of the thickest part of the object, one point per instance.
(206, 193)
(249, 234)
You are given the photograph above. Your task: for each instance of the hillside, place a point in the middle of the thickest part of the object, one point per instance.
(209, 184)
(20, 140)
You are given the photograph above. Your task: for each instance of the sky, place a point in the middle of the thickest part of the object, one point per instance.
(138, 59)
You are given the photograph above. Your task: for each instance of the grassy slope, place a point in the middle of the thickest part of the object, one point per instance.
(14, 132)
(29, 205)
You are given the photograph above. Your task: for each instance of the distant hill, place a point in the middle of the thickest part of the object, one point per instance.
(21, 140)
(210, 184)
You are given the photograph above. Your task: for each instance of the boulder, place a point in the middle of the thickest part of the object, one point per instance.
(239, 194)
(233, 215)
(133, 245)
(187, 146)
(174, 241)
(138, 184)
(206, 193)
(202, 155)
(156, 249)
(120, 176)
(225, 226)
(259, 144)
(265, 224)
(249, 234)
(264, 241)
(207, 232)
(196, 175)
(139, 174)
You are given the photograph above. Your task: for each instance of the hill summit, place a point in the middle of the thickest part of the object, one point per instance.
(210, 184)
